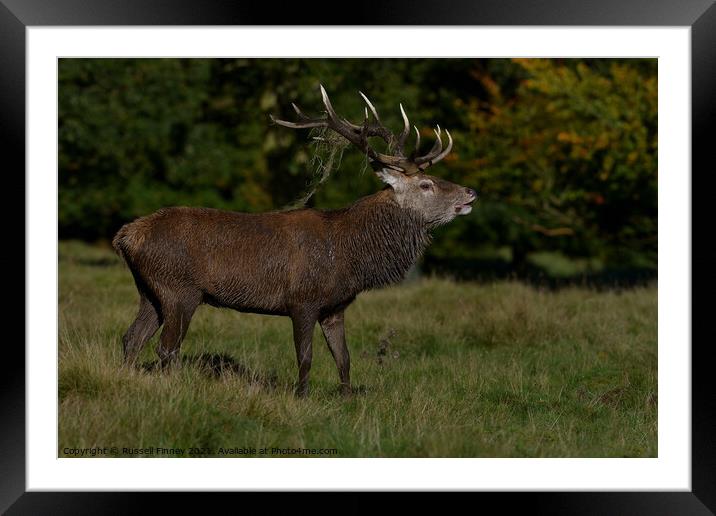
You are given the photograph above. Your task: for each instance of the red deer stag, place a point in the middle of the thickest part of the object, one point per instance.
(306, 264)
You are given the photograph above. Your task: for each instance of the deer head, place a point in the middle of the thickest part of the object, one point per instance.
(438, 201)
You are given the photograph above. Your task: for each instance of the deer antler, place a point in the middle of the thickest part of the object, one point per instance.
(358, 135)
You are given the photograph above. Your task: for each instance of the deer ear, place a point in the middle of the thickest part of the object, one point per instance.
(391, 177)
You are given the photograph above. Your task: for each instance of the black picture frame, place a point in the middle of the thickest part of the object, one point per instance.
(700, 15)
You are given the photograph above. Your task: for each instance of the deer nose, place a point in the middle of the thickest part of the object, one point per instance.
(472, 193)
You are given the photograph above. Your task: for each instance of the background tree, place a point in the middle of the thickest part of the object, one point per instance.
(562, 152)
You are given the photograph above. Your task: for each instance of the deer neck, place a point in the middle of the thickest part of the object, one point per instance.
(380, 241)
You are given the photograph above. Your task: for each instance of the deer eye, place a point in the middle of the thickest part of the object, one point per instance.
(426, 185)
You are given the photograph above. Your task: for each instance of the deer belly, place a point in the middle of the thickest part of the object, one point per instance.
(247, 284)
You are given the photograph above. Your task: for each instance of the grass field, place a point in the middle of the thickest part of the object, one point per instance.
(444, 369)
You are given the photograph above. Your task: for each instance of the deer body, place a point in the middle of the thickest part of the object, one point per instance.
(306, 264)
(271, 263)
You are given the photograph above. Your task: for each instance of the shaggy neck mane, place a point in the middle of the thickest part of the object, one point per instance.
(379, 240)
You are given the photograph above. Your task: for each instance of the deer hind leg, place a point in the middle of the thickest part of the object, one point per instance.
(177, 314)
(303, 324)
(141, 330)
(334, 332)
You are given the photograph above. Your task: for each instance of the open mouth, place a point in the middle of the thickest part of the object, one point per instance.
(465, 208)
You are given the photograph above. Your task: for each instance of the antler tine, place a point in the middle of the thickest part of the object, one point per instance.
(308, 124)
(298, 111)
(439, 156)
(434, 151)
(371, 106)
(417, 141)
(350, 124)
(406, 130)
(327, 102)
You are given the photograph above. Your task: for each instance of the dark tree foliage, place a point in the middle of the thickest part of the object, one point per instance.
(562, 151)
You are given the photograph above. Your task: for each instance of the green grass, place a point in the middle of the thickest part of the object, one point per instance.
(499, 370)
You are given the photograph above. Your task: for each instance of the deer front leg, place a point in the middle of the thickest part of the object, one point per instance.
(334, 332)
(303, 324)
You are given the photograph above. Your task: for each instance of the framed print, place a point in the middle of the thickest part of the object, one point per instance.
(520, 174)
